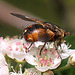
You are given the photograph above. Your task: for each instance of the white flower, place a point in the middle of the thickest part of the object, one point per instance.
(3, 45)
(17, 49)
(3, 66)
(49, 58)
(30, 71)
(64, 50)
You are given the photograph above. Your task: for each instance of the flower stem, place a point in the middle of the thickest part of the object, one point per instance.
(17, 65)
(41, 73)
(62, 68)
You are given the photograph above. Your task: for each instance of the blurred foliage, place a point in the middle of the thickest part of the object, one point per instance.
(69, 71)
(45, 9)
(7, 30)
(71, 40)
(50, 10)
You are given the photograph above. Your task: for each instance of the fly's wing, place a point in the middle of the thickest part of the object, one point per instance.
(26, 18)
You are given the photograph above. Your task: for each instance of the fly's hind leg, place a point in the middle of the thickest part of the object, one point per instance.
(57, 49)
(59, 43)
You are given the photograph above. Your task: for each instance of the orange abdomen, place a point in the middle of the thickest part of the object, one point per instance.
(38, 33)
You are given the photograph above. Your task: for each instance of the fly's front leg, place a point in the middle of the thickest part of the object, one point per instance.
(42, 48)
(30, 45)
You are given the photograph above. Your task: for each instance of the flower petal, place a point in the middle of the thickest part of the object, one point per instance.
(38, 43)
(4, 70)
(57, 62)
(2, 60)
(71, 51)
(42, 69)
(19, 55)
(30, 59)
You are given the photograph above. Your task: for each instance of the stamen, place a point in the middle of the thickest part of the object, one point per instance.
(16, 49)
(44, 52)
(40, 59)
(38, 56)
(24, 47)
(18, 43)
(69, 46)
(11, 49)
(31, 73)
(13, 69)
(50, 59)
(20, 69)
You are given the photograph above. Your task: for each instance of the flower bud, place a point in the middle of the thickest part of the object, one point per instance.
(72, 60)
(48, 73)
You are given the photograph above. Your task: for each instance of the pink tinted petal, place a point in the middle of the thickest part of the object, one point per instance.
(38, 56)
(56, 63)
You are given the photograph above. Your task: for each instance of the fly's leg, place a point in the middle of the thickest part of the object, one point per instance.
(57, 50)
(42, 48)
(30, 45)
(59, 43)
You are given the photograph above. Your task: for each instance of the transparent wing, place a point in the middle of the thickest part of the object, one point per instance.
(26, 18)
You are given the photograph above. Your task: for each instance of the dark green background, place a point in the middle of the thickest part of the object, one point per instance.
(49, 10)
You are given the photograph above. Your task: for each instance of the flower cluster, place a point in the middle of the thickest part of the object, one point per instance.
(17, 49)
(30, 71)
